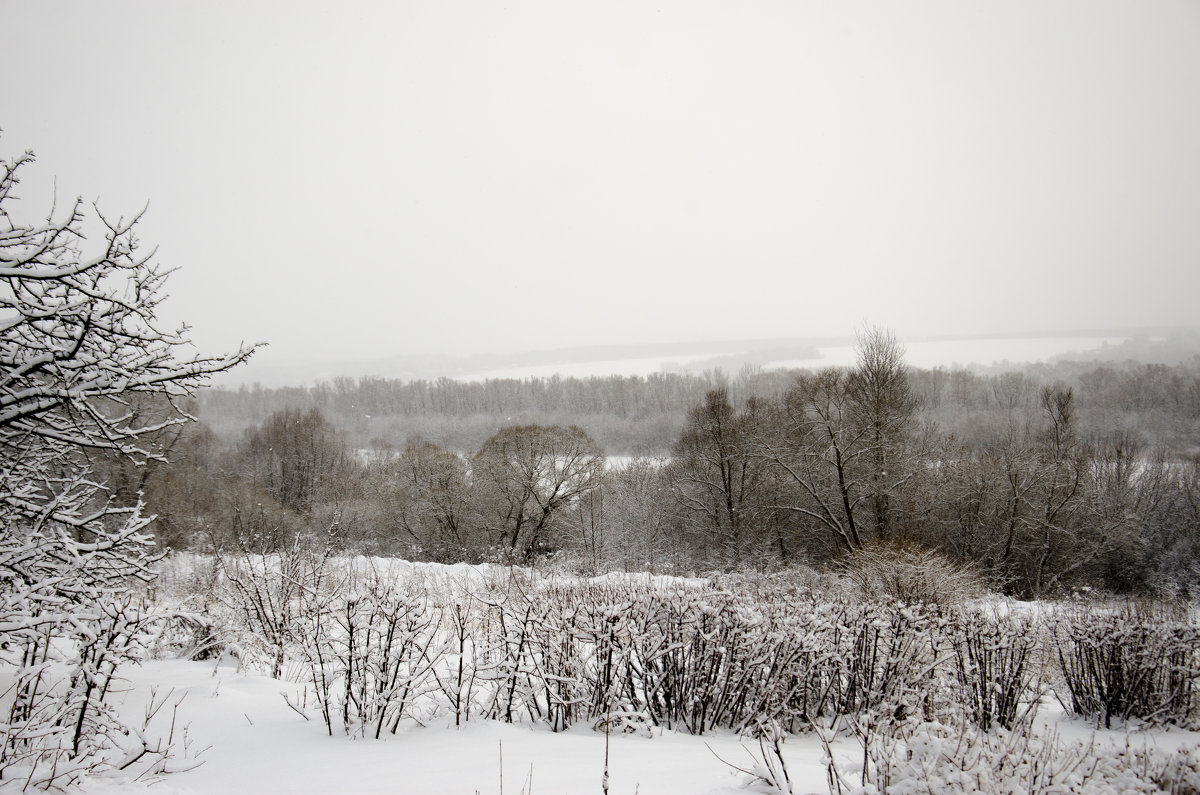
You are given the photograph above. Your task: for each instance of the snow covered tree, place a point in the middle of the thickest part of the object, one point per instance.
(81, 355)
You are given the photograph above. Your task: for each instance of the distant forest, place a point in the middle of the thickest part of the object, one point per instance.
(1036, 481)
(636, 415)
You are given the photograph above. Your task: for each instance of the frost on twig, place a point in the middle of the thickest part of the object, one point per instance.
(88, 378)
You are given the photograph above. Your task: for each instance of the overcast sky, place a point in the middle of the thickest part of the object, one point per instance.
(397, 178)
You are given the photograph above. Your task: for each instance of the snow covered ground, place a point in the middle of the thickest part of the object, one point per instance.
(257, 744)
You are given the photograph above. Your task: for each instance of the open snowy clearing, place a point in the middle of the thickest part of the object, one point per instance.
(249, 740)
(376, 646)
(256, 743)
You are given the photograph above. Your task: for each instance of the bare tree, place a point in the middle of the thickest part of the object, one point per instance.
(293, 454)
(430, 504)
(720, 481)
(840, 443)
(821, 456)
(524, 475)
(1038, 508)
(883, 409)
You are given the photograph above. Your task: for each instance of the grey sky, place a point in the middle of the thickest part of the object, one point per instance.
(477, 176)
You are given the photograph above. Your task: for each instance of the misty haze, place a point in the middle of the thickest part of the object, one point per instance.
(675, 397)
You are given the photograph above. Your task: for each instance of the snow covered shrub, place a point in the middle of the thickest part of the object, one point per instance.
(58, 724)
(509, 627)
(1177, 773)
(369, 654)
(690, 657)
(561, 652)
(887, 662)
(631, 656)
(942, 758)
(1139, 660)
(689, 660)
(797, 583)
(185, 590)
(559, 655)
(73, 618)
(767, 767)
(693, 659)
(933, 757)
(457, 679)
(911, 575)
(271, 596)
(996, 665)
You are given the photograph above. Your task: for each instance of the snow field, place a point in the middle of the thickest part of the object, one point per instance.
(259, 745)
(676, 666)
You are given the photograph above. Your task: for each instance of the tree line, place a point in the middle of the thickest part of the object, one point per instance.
(624, 414)
(643, 415)
(1038, 486)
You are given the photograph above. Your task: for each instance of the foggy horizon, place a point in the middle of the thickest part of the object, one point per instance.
(460, 179)
(979, 353)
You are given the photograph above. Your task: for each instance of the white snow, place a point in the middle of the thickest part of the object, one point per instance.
(258, 744)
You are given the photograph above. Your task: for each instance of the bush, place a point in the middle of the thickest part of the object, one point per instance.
(946, 758)
(941, 700)
(1131, 661)
(995, 666)
(911, 575)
